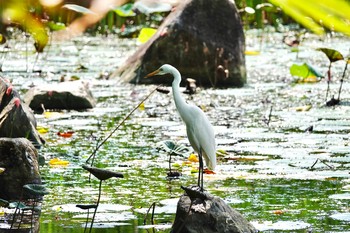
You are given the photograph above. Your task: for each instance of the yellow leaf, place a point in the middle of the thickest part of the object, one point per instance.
(252, 52)
(146, 34)
(2, 170)
(58, 162)
(142, 107)
(303, 108)
(42, 129)
(193, 158)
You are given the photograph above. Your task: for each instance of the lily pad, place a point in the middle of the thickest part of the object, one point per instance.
(304, 71)
(281, 225)
(342, 196)
(341, 216)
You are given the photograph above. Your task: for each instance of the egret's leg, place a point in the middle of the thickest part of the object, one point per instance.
(200, 171)
(170, 164)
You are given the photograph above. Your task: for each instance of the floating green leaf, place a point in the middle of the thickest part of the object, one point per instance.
(78, 9)
(332, 54)
(304, 71)
(55, 26)
(146, 34)
(125, 10)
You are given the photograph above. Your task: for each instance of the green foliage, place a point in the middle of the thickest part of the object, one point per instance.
(318, 14)
(304, 71)
(333, 55)
(125, 10)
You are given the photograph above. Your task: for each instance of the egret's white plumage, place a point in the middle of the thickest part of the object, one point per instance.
(200, 132)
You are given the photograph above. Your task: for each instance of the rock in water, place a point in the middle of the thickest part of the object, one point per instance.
(211, 215)
(19, 158)
(203, 39)
(16, 119)
(65, 95)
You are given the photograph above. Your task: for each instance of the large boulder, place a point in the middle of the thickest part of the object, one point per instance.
(203, 212)
(16, 119)
(19, 158)
(203, 39)
(64, 95)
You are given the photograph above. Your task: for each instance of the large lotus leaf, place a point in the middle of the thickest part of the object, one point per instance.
(172, 148)
(125, 10)
(332, 54)
(148, 7)
(36, 189)
(304, 71)
(102, 174)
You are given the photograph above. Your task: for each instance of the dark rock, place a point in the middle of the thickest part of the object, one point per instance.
(209, 215)
(16, 119)
(20, 160)
(203, 39)
(64, 95)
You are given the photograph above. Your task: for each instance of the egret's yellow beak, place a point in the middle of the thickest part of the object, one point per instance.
(152, 73)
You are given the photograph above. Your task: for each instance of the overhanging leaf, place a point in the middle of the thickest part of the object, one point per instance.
(2, 39)
(316, 14)
(78, 9)
(332, 54)
(125, 10)
(304, 71)
(30, 23)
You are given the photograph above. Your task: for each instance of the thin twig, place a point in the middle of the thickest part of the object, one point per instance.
(122, 122)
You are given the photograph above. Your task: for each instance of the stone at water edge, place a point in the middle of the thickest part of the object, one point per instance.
(212, 215)
(64, 95)
(203, 39)
(16, 119)
(20, 160)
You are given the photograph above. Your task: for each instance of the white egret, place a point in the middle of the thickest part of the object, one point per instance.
(200, 132)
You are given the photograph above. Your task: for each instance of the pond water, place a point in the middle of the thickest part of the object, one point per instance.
(279, 176)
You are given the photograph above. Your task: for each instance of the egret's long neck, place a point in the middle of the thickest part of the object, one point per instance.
(180, 102)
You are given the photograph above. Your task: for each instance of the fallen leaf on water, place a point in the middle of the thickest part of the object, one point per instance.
(2, 170)
(42, 129)
(207, 171)
(251, 52)
(58, 162)
(142, 107)
(303, 108)
(65, 134)
(278, 212)
(193, 158)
